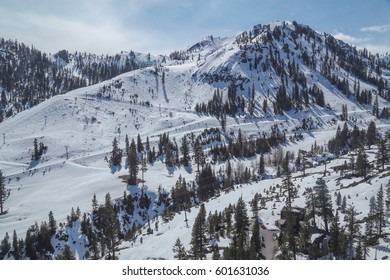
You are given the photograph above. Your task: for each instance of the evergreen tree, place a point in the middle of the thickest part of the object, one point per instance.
(198, 154)
(116, 154)
(127, 145)
(95, 204)
(371, 238)
(66, 254)
(382, 156)
(241, 216)
(140, 147)
(344, 204)
(323, 201)
(335, 236)
(371, 134)
(147, 145)
(185, 152)
(255, 242)
(3, 192)
(36, 155)
(5, 246)
(52, 223)
(289, 239)
(179, 250)
(261, 165)
(304, 237)
(380, 211)
(359, 249)
(387, 200)
(338, 200)
(15, 247)
(31, 239)
(198, 236)
(353, 229)
(265, 106)
(310, 205)
(362, 164)
(216, 255)
(241, 227)
(288, 186)
(110, 227)
(375, 107)
(133, 164)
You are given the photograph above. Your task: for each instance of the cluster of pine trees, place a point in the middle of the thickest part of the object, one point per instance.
(343, 241)
(39, 149)
(346, 139)
(102, 230)
(233, 223)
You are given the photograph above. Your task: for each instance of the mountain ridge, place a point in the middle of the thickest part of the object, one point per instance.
(262, 88)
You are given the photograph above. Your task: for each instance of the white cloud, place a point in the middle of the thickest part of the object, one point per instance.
(376, 28)
(374, 49)
(363, 42)
(91, 30)
(349, 39)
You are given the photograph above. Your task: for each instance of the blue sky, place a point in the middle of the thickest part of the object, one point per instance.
(159, 27)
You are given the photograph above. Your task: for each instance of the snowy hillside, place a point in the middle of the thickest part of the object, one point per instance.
(287, 80)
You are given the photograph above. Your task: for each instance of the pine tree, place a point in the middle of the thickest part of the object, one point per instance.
(261, 165)
(109, 227)
(265, 106)
(255, 205)
(343, 207)
(370, 223)
(3, 193)
(241, 227)
(362, 164)
(66, 254)
(52, 223)
(353, 229)
(359, 249)
(15, 247)
(288, 242)
(387, 200)
(198, 154)
(375, 107)
(288, 186)
(36, 155)
(198, 236)
(323, 201)
(380, 211)
(335, 236)
(5, 246)
(241, 216)
(140, 147)
(127, 145)
(116, 154)
(304, 236)
(371, 134)
(179, 250)
(216, 255)
(382, 156)
(133, 164)
(185, 151)
(338, 200)
(255, 242)
(310, 205)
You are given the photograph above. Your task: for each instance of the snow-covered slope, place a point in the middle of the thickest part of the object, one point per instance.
(78, 129)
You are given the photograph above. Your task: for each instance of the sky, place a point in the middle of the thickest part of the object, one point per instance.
(162, 26)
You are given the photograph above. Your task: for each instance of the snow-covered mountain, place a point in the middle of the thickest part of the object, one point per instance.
(282, 79)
